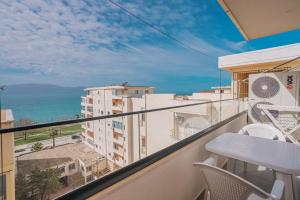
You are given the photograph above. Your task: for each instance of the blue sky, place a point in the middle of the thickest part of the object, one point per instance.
(93, 43)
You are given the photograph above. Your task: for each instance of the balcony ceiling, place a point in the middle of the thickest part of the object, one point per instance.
(260, 18)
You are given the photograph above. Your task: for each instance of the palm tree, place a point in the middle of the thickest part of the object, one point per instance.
(24, 122)
(53, 133)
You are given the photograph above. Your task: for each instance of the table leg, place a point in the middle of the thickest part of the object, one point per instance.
(288, 185)
(296, 192)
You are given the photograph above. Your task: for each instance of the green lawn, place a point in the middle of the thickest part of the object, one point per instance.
(44, 134)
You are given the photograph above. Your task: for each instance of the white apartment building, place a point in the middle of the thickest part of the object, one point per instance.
(154, 131)
(123, 140)
(111, 137)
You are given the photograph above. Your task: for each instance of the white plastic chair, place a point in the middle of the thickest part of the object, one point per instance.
(223, 185)
(263, 131)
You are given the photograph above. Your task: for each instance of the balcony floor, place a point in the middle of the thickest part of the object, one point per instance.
(263, 179)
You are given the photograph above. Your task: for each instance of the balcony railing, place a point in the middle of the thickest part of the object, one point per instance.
(41, 147)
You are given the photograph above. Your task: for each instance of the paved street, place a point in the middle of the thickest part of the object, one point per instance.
(26, 148)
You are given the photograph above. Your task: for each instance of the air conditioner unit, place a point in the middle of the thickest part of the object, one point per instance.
(278, 88)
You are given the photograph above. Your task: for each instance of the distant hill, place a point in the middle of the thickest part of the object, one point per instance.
(41, 89)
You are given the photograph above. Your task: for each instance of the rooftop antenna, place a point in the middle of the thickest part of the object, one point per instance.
(125, 84)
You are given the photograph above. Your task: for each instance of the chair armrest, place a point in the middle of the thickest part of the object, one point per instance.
(209, 161)
(278, 189)
(255, 197)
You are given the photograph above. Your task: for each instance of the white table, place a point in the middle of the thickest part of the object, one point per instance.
(283, 157)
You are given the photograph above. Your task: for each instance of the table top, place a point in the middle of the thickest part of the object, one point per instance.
(281, 156)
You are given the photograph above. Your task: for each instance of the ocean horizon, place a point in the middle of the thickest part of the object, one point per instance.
(43, 108)
(45, 103)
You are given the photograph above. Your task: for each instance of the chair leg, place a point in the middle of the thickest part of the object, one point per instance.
(234, 166)
(245, 167)
(274, 174)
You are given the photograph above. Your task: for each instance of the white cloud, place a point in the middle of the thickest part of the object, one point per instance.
(87, 42)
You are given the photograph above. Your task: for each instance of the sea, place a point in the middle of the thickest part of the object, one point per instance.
(43, 103)
(45, 106)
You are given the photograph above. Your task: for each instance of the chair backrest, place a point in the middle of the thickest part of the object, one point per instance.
(224, 185)
(263, 131)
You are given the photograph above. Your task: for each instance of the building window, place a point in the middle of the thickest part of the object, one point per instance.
(89, 168)
(89, 178)
(108, 113)
(101, 112)
(118, 125)
(62, 169)
(3, 187)
(136, 92)
(116, 146)
(71, 166)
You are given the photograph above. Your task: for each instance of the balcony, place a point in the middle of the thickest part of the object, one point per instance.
(118, 138)
(157, 160)
(90, 134)
(117, 103)
(173, 165)
(118, 159)
(116, 111)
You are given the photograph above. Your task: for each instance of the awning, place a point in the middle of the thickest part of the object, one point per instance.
(260, 18)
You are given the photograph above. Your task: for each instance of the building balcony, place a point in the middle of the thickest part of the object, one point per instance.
(119, 162)
(161, 167)
(118, 139)
(119, 151)
(116, 111)
(90, 134)
(117, 103)
(118, 159)
(118, 148)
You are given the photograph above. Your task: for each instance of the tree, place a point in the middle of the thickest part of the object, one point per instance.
(44, 182)
(24, 122)
(38, 146)
(22, 187)
(53, 133)
(38, 185)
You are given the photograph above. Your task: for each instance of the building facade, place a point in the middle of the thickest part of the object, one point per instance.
(111, 137)
(7, 178)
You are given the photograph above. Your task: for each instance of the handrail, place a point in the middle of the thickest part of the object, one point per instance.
(74, 121)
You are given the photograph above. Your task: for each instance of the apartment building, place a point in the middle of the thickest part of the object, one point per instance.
(111, 137)
(157, 130)
(7, 157)
(123, 140)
